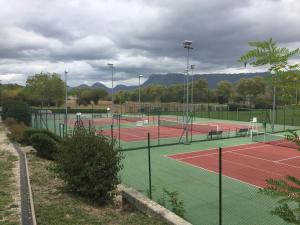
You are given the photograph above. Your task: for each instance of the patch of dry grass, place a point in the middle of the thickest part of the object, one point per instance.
(9, 190)
(54, 205)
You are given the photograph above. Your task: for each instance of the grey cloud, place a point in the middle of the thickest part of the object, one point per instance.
(139, 36)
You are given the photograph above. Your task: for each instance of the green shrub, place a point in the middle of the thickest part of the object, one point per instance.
(17, 110)
(45, 146)
(89, 164)
(16, 129)
(30, 131)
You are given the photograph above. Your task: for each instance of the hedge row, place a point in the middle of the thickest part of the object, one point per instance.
(18, 110)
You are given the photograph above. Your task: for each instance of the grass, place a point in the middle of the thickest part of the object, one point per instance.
(8, 208)
(55, 205)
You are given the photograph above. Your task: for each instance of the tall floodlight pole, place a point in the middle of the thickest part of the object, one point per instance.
(192, 91)
(140, 105)
(66, 106)
(274, 104)
(188, 45)
(111, 66)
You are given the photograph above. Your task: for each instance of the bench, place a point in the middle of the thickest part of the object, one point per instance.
(242, 132)
(214, 133)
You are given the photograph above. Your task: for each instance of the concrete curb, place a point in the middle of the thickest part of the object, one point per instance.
(27, 207)
(30, 192)
(144, 204)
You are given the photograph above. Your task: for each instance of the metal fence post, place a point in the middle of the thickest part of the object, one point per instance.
(149, 167)
(220, 186)
(119, 118)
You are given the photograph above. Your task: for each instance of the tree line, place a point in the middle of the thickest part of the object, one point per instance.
(48, 89)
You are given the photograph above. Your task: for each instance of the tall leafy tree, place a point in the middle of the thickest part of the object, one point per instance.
(267, 53)
(46, 88)
(224, 91)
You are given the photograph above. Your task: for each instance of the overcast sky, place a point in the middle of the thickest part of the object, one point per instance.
(138, 36)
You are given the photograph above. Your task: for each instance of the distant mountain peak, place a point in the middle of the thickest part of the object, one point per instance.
(177, 78)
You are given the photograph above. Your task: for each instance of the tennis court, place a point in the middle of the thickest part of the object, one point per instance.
(250, 163)
(191, 170)
(171, 130)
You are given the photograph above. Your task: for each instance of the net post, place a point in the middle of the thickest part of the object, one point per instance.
(54, 122)
(283, 117)
(93, 114)
(119, 122)
(89, 126)
(46, 118)
(59, 127)
(112, 135)
(220, 186)
(158, 128)
(192, 129)
(149, 167)
(63, 129)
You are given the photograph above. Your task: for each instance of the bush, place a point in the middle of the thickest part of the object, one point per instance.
(89, 164)
(45, 146)
(240, 107)
(17, 110)
(30, 131)
(16, 129)
(261, 103)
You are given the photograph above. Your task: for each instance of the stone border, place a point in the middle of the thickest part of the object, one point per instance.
(30, 192)
(144, 204)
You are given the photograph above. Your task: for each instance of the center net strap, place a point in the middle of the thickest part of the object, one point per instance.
(273, 139)
(201, 127)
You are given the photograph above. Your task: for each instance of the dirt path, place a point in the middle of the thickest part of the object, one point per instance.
(21, 177)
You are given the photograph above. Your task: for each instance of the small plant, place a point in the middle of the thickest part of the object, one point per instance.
(16, 129)
(46, 147)
(162, 200)
(177, 206)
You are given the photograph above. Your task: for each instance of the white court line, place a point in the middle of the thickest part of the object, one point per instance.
(250, 156)
(211, 171)
(216, 153)
(287, 159)
(214, 148)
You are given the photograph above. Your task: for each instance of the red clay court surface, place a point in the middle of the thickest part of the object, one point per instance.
(106, 121)
(140, 133)
(251, 163)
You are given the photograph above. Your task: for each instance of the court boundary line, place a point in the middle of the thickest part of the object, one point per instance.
(250, 156)
(211, 171)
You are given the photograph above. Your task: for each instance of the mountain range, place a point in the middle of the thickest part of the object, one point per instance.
(178, 78)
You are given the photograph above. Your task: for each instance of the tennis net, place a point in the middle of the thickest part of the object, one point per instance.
(131, 118)
(198, 127)
(273, 139)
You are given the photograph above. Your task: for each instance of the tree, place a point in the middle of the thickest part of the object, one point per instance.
(224, 91)
(200, 91)
(288, 87)
(45, 88)
(267, 53)
(86, 96)
(288, 193)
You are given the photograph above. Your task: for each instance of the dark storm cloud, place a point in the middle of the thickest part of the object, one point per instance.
(138, 36)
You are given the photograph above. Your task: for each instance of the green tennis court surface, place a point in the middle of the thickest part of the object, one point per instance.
(242, 204)
(198, 188)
